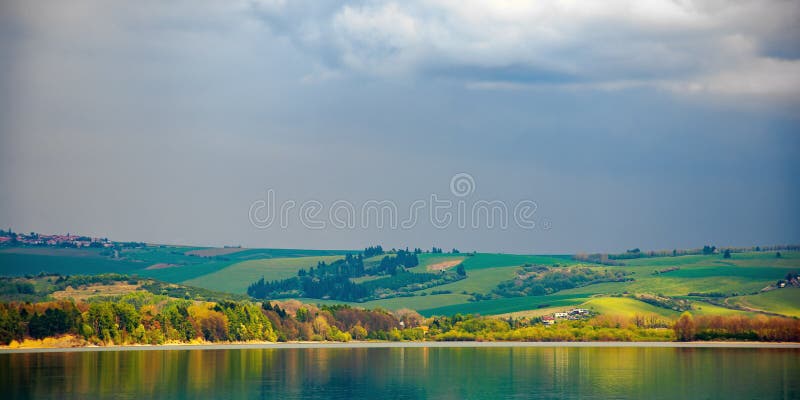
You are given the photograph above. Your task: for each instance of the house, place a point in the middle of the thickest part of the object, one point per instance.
(578, 311)
(548, 320)
(560, 315)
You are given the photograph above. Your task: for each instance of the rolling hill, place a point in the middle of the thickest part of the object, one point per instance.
(710, 284)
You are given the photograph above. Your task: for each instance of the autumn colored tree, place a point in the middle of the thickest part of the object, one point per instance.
(685, 328)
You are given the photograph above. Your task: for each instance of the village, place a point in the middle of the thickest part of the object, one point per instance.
(574, 314)
(9, 238)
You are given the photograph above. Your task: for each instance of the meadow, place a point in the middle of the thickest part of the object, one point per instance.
(712, 284)
(15, 263)
(741, 275)
(782, 301)
(236, 277)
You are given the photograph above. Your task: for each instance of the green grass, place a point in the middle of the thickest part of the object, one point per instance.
(669, 261)
(14, 264)
(703, 308)
(185, 272)
(478, 281)
(487, 260)
(784, 301)
(256, 254)
(743, 273)
(194, 267)
(416, 302)
(32, 260)
(396, 303)
(625, 306)
(507, 305)
(157, 254)
(237, 277)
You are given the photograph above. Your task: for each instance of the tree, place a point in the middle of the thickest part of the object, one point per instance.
(127, 316)
(139, 334)
(102, 320)
(460, 270)
(321, 327)
(685, 328)
(778, 255)
(358, 332)
(302, 314)
(727, 254)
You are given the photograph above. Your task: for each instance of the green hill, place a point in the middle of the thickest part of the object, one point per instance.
(710, 284)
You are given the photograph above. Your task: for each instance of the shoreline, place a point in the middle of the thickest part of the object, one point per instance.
(390, 345)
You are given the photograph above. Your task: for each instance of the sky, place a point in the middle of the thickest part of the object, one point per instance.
(585, 126)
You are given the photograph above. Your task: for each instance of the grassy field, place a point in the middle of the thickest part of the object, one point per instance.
(182, 266)
(625, 306)
(486, 260)
(502, 306)
(784, 301)
(704, 308)
(15, 264)
(743, 273)
(257, 254)
(183, 273)
(743, 276)
(478, 280)
(237, 277)
(426, 260)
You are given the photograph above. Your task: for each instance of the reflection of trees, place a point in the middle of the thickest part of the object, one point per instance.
(403, 373)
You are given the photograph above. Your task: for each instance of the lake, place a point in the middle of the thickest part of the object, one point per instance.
(406, 373)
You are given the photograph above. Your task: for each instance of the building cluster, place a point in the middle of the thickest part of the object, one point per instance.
(68, 240)
(574, 314)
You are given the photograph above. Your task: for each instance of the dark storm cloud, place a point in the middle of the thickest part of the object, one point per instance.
(692, 48)
(647, 124)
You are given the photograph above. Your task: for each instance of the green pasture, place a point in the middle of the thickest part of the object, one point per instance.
(237, 277)
(784, 301)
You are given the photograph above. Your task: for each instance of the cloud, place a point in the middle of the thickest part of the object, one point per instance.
(743, 48)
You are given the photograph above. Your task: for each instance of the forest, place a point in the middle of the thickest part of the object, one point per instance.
(145, 318)
(540, 280)
(334, 280)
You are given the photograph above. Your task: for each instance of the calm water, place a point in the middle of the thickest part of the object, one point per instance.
(410, 373)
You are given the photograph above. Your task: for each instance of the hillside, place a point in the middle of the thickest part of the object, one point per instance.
(666, 285)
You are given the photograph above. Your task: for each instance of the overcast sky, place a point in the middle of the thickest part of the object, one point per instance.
(641, 123)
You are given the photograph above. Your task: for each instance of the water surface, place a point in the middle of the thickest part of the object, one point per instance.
(406, 373)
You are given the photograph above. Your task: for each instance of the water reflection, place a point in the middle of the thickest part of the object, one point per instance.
(441, 373)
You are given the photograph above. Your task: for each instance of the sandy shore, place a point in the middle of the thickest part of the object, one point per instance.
(367, 345)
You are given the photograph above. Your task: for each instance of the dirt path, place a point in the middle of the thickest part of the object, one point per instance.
(443, 265)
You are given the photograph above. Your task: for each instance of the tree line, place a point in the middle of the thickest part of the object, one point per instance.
(141, 317)
(144, 318)
(617, 259)
(760, 328)
(540, 280)
(333, 281)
